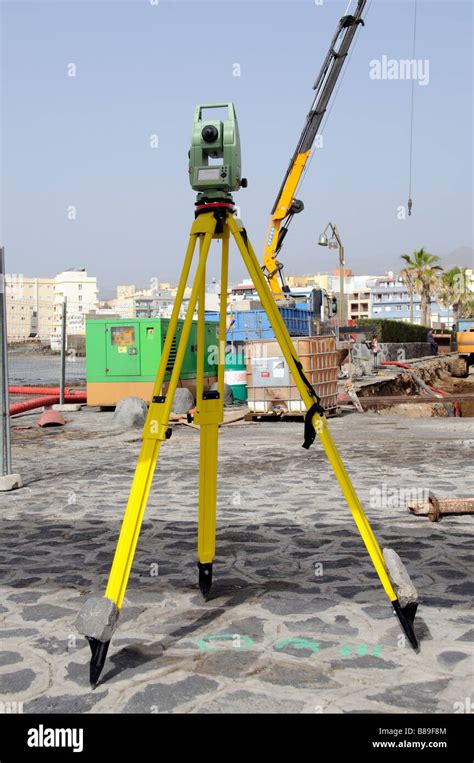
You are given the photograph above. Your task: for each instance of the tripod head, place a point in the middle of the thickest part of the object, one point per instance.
(214, 156)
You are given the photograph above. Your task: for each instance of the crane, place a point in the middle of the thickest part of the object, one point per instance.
(286, 205)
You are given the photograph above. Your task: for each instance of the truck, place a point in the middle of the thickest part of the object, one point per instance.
(464, 346)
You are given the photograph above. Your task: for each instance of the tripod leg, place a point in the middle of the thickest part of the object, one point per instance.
(210, 409)
(155, 431)
(98, 620)
(320, 425)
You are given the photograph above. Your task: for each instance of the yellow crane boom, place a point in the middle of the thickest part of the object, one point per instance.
(286, 205)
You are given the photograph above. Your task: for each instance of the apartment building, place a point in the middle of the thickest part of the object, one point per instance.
(30, 307)
(389, 299)
(356, 289)
(34, 305)
(81, 294)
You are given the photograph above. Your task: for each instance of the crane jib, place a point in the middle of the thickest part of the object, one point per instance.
(324, 86)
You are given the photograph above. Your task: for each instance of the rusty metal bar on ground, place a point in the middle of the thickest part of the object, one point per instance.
(399, 399)
(434, 508)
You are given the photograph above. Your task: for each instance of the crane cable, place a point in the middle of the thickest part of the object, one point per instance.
(410, 202)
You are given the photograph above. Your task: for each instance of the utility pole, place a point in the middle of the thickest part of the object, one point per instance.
(334, 242)
(8, 480)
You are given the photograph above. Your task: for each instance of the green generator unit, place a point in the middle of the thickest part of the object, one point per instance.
(122, 358)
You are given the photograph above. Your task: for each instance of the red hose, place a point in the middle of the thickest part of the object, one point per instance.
(29, 405)
(39, 402)
(394, 363)
(39, 391)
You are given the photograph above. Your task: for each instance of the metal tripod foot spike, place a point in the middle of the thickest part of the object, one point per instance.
(406, 615)
(205, 578)
(215, 221)
(99, 651)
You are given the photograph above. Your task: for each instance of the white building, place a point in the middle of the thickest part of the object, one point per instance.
(34, 305)
(30, 307)
(80, 292)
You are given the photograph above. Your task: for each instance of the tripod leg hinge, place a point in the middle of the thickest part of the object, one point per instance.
(156, 425)
(309, 430)
(155, 430)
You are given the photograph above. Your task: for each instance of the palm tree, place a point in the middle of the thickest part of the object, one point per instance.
(423, 270)
(407, 280)
(454, 292)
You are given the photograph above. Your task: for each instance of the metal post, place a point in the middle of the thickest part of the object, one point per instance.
(334, 242)
(5, 434)
(62, 380)
(342, 296)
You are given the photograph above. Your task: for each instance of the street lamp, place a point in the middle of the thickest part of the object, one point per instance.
(334, 242)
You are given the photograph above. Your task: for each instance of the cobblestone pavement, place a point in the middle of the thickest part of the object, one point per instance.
(297, 622)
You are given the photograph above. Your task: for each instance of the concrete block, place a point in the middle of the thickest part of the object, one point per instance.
(130, 413)
(399, 577)
(68, 406)
(10, 482)
(98, 618)
(183, 401)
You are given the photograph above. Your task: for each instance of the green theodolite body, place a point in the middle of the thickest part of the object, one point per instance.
(214, 157)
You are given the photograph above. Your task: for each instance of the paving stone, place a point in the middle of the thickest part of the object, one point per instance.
(295, 605)
(24, 582)
(163, 698)
(297, 646)
(468, 636)
(78, 673)
(466, 619)
(53, 645)
(65, 703)
(251, 703)
(299, 678)
(379, 612)
(26, 597)
(249, 626)
(18, 632)
(17, 681)
(221, 663)
(48, 612)
(9, 658)
(462, 589)
(365, 662)
(414, 697)
(317, 626)
(452, 658)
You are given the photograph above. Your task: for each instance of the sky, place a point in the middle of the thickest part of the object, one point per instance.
(141, 66)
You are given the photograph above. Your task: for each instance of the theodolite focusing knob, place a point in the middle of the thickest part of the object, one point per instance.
(244, 183)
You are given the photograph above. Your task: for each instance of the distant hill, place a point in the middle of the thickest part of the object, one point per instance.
(463, 257)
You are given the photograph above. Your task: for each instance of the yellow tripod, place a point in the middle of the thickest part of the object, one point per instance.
(213, 221)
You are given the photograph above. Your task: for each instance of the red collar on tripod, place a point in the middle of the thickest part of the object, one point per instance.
(215, 205)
